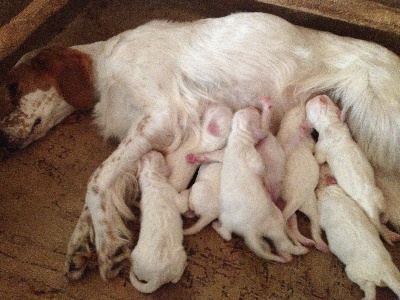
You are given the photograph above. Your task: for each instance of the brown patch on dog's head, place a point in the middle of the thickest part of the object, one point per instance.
(44, 87)
(68, 70)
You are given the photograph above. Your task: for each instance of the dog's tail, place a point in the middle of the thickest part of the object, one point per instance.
(364, 79)
(144, 287)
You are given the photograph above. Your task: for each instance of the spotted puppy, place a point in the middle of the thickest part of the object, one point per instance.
(159, 256)
(349, 165)
(355, 240)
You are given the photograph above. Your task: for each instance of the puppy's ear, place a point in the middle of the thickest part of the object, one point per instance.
(72, 72)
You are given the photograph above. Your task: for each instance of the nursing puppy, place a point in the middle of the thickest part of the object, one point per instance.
(215, 128)
(246, 207)
(354, 240)
(272, 154)
(349, 164)
(159, 256)
(204, 197)
(301, 176)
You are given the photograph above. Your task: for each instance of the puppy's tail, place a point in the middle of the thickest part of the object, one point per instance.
(144, 287)
(364, 79)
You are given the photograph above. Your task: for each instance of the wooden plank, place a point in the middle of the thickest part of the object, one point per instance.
(18, 29)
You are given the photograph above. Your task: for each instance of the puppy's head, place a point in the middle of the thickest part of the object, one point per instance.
(321, 111)
(43, 88)
(248, 121)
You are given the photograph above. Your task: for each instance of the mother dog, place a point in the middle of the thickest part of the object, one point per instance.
(152, 84)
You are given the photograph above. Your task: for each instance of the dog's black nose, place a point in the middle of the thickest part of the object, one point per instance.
(5, 142)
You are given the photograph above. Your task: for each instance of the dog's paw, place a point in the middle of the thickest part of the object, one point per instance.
(81, 251)
(113, 256)
(78, 259)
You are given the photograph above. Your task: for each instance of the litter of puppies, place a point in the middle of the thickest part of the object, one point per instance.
(250, 184)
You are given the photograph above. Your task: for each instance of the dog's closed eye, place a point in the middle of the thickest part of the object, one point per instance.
(13, 92)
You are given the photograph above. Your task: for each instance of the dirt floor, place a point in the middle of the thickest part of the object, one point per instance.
(42, 191)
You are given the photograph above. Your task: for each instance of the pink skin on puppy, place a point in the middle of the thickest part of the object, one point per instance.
(348, 163)
(215, 127)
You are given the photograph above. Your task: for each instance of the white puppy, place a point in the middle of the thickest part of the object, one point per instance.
(215, 128)
(246, 207)
(301, 176)
(159, 256)
(355, 240)
(204, 196)
(349, 165)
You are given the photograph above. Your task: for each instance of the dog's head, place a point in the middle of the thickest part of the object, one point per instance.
(43, 88)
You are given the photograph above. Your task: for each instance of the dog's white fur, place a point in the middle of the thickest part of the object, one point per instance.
(301, 174)
(355, 241)
(246, 207)
(152, 82)
(349, 164)
(159, 256)
(204, 197)
(215, 128)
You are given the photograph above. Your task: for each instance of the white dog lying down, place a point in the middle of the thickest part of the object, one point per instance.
(348, 163)
(215, 128)
(301, 176)
(355, 240)
(152, 81)
(159, 256)
(246, 207)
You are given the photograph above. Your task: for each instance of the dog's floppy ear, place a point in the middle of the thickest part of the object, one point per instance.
(72, 72)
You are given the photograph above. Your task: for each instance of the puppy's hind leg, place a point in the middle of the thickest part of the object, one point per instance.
(261, 248)
(224, 232)
(310, 209)
(294, 233)
(368, 287)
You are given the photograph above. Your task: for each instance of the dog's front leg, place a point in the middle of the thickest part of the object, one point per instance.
(105, 199)
(81, 248)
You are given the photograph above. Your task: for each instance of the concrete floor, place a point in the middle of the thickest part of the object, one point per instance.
(42, 190)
